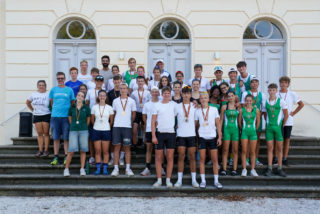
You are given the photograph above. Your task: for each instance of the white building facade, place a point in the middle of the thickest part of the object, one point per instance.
(275, 37)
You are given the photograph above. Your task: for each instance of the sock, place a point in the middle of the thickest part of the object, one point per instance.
(159, 180)
(180, 174)
(148, 165)
(193, 176)
(279, 167)
(116, 167)
(105, 165)
(270, 167)
(98, 165)
(127, 166)
(203, 178)
(122, 155)
(167, 180)
(216, 178)
(112, 155)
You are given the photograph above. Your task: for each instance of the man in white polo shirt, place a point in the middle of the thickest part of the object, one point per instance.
(204, 82)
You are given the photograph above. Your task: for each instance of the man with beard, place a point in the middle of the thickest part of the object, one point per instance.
(106, 71)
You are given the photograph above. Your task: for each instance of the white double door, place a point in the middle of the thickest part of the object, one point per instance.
(265, 60)
(176, 56)
(69, 55)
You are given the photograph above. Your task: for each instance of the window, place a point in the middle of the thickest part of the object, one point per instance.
(262, 29)
(169, 30)
(76, 29)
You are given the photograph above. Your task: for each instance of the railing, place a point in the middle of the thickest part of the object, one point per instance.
(13, 116)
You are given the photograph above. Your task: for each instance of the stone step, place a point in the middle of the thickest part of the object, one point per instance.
(30, 168)
(40, 179)
(148, 191)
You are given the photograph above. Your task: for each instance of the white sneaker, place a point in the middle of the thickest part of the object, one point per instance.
(66, 172)
(110, 162)
(218, 185)
(91, 160)
(121, 162)
(203, 185)
(163, 172)
(169, 184)
(83, 172)
(254, 173)
(178, 184)
(195, 184)
(244, 173)
(157, 184)
(145, 172)
(115, 173)
(129, 172)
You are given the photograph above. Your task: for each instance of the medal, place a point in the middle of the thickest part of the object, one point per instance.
(140, 98)
(77, 122)
(205, 123)
(186, 114)
(78, 115)
(123, 113)
(101, 114)
(248, 126)
(232, 121)
(124, 106)
(186, 119)
(205, 117)
(273, 116)
(273, 107)
(141, 105)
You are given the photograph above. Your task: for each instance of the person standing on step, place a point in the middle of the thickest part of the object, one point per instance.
(234, 85)
(61, 98)
(163, 135)
(79, 119)
(164, 82)
(249, 120)
(156, 78)
(106, 71)
(180, 77)
(132, 72)
(244, 76)
(258, 96)
(218, 73)
(115, 72)
(74, 83)
(186, 136)
(276, 115)
(204, 82)
(38, 103)
(101, 114)
(163, 72)
(147, 111)
(92, 83)
(83, 76)
(291, 99)
(229, 120)
(214, 97)
(125, 113)
(177, 92)
(134, 83)
(141, 96)
(209, 132)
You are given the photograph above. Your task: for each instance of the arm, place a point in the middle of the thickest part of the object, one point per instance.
(88, 121)
(300, 106)
(28, 102)
(111, 118)
(144, 119)
(286, 115)
(133, 116)
(92, 118)
(223, 108)
(153, 129)
(258, 118)
(219, 141)
(70, 119)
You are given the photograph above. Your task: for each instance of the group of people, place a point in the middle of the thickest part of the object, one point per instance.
(102, 113)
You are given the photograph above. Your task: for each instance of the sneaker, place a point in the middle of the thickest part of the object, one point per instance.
(230, 162)
(129, 172)
(195, 184)
(115, 173)
(218, 185)
(281, 173)
(254, 173)
(54, 161)
(234, 173)
(83, 172)
(223, 173)
(110, 162)
(268, 173)
(203, 185)
(66, 173)
(178, 184)
(275, 161)
(121, 162)
(38, 154)
(45, 154)
(91, 160)
(244, 173)
(285, 162)
(157, 184)
(65, 160)
(209, 162)
(163, 172)
(169, 184)
(258, 163)
(145, 172)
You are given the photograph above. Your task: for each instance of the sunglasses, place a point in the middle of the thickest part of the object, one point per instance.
(61, 78)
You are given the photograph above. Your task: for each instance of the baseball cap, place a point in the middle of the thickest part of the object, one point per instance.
(254, 78)
(179, 72)
(99, 78)
(160, 60)
(218, 68)
(232, 70)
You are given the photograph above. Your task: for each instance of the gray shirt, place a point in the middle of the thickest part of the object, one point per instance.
(106, 75)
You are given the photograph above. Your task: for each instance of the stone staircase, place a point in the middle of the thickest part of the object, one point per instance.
(25, 175)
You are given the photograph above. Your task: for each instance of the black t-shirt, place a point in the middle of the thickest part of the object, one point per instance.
(112, 95)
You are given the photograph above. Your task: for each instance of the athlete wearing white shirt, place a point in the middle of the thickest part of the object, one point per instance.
(164, 115)
(208, 124)
(204, 83)
(92, 95)
(186, 136)
(125, 113)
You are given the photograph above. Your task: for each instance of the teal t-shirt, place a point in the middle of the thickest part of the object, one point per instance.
(62, 98)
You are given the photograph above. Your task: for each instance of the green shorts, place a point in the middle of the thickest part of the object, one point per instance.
(273, 132)
(249, 134)
(231, 134)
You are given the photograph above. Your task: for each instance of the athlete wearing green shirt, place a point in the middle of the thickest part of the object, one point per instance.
(234, 85)
(276, 115)
(244, 75)
(132, 72)
(218, 73)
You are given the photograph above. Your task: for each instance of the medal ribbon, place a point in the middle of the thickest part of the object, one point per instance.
(185, 111)
(205, 117)
(125, 105)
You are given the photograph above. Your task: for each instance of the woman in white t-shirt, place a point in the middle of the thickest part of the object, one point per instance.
(101, 114)
(38, 103)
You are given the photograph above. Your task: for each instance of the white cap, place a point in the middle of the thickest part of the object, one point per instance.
(254, 78)
(232, 70)
(159, 60)
(154, 88)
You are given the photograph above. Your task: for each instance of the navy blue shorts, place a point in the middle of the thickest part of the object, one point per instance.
(100, 135)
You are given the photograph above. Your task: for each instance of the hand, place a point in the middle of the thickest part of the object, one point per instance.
(240, 83)
(291, 114)
(154, 140)
(219, 142)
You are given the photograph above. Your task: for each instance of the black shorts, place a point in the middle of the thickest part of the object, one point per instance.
(148, 137)
(121, 135)
(286, 132)
(167, 140)
(41, 118)
(90, 130)
(138, 118)
(187, 141)
(204, 143)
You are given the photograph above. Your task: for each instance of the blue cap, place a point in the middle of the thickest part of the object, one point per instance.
(218, 68)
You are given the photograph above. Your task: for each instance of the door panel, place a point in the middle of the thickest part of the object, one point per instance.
(87, 52)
